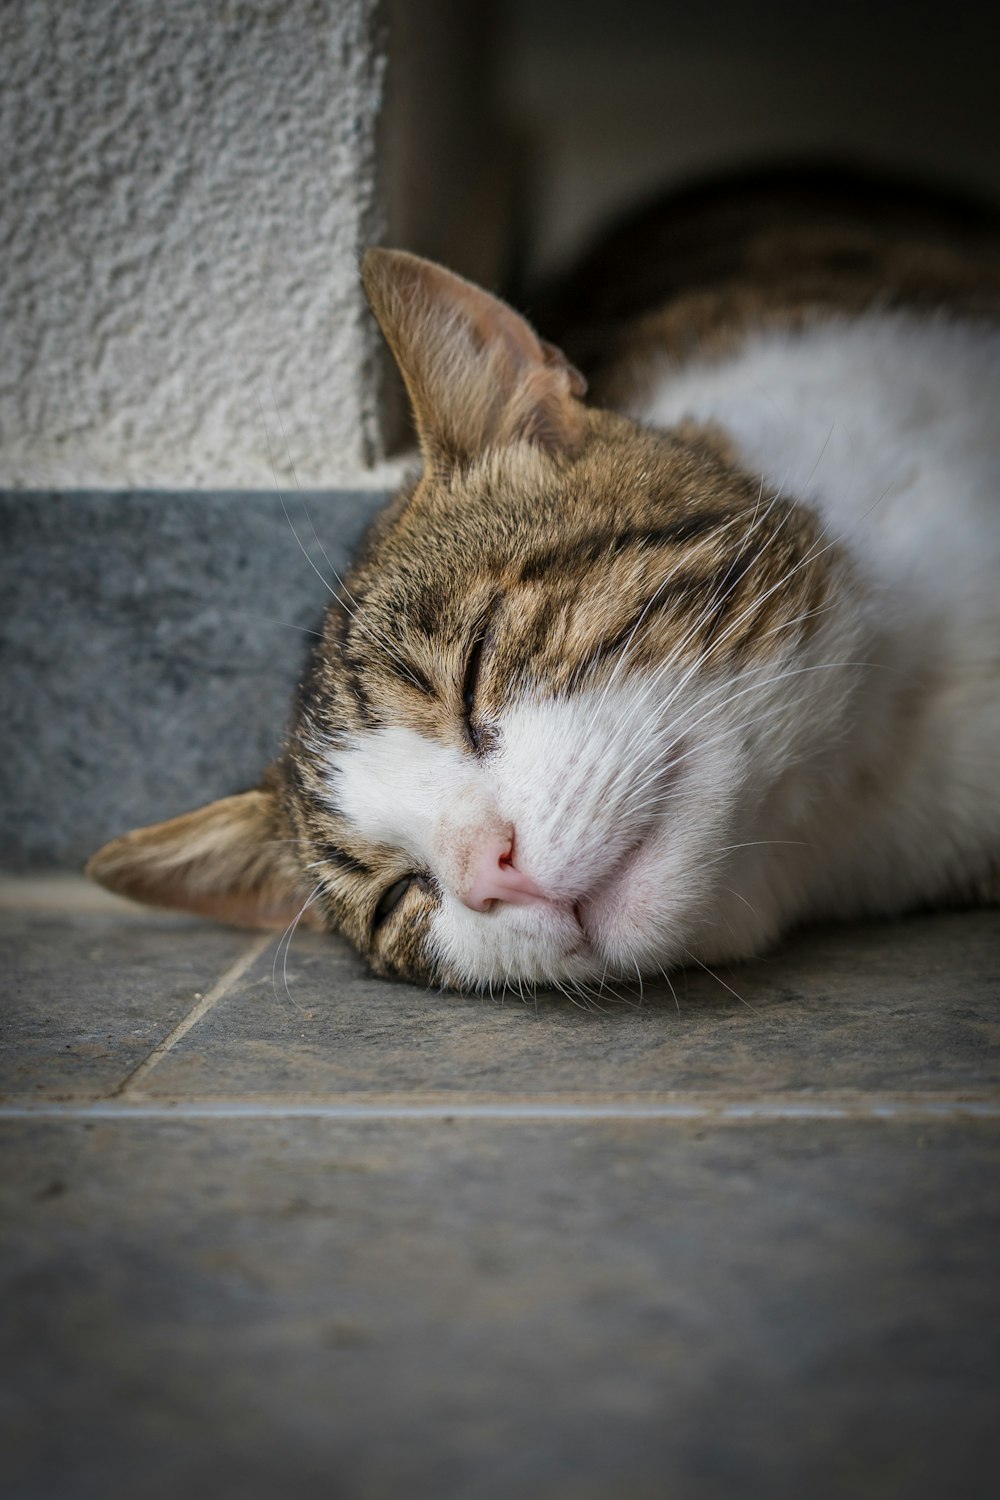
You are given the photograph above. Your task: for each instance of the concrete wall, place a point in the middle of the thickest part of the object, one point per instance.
(188, 187)
(149, 646)
(187, 191)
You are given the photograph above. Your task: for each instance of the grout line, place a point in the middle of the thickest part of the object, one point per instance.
(912, 1109)
(221, 987)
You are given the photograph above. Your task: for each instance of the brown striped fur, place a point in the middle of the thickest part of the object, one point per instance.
(776, 247)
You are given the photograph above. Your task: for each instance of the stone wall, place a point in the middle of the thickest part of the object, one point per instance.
(149, 647)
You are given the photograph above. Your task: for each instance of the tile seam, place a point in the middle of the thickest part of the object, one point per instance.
(222, 986)
(941, 1110)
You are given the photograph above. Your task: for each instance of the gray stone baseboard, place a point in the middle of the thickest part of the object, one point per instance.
(149, 646)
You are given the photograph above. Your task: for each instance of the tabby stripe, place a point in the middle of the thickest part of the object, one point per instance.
(413, 675)
(690, 587)
(358, 691)
(427, 612)
(684, 584)
(723, 586)
(534, 634)
(345, 861)
(596, 545)
(355, 671)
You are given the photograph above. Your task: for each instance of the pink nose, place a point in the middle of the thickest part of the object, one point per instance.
(493, 876)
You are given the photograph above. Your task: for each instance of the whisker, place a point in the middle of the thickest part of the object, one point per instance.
(725, 986)
(286, 940)
(670, 986)
(270, 620)
(740, 897)
(376, 636)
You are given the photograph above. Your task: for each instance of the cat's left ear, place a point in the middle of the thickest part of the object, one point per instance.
(227, 861)
(477, 374)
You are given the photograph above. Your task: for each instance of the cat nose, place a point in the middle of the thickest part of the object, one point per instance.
(493, 876)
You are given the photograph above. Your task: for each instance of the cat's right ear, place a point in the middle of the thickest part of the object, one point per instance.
(477, 374)
(226, 861)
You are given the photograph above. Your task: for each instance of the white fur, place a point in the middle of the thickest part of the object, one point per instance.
(624, 796)
(888, 425)
(697, 816)
(394, 784)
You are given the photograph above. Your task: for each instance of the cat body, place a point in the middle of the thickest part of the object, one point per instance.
(621, 686)
(885, 427)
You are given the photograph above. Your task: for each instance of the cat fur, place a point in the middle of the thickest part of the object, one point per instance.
(712, 655)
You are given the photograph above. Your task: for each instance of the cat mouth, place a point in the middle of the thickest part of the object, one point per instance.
(592, 910)
(602, 912)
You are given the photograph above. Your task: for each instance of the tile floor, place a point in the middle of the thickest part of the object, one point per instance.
(274, 1228)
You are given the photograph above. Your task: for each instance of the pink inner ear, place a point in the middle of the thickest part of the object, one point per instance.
(477, 374)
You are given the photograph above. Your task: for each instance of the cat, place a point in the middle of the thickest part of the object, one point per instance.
(642, 681)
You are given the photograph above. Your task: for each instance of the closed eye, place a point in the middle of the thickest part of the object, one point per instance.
(392, 897)
(469, 687)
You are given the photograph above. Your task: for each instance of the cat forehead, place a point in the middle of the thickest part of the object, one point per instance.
(517, 516)
(551, 600)
(466, 514)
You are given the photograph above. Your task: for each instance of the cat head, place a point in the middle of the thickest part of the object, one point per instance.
(555, 689)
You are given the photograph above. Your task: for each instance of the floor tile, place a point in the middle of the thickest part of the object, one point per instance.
(621, 1312)
(561, 1301)
(879, 1008)
(88, 994)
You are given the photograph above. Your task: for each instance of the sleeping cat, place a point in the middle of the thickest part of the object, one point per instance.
(626, 684)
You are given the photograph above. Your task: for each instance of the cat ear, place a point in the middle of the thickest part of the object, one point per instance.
(226, 861)
(477, 374)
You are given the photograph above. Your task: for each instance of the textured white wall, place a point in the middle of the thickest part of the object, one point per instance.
(187, 189)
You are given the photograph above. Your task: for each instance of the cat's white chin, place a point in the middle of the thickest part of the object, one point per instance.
(538, 945)
(625, 917)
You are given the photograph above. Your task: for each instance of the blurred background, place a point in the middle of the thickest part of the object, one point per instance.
(615, 101)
